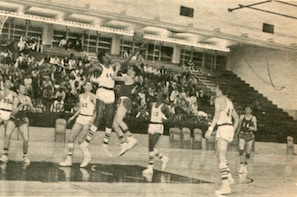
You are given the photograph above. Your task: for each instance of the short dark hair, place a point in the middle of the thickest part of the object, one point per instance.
(249, 106)
(101, 54)
(136, 69)
(224, 88)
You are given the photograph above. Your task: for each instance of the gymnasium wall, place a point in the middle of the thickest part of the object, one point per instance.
(253, 65)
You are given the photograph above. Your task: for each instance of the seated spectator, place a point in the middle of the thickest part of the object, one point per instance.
(47, 83)
(22, 43)
(47, 96)
(60, 93)
(28, 84)
(39, 105)
(63, 43)
(58, 105)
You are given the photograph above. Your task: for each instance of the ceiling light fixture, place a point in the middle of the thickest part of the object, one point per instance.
(186, 42)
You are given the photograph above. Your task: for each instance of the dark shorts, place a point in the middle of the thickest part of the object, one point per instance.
(19, 121)
(125, 102)
(248, 136)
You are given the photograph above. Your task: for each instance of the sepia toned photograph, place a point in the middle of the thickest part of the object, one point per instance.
(153, 98)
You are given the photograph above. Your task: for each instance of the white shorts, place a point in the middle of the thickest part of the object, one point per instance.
(107, 96)
(156, 128)
(84, 120)
(225, 132)
(5, 115)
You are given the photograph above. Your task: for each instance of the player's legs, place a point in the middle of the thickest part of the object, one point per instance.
(70, 145)
(242, 159)
(10, 126)
(85, 150)
(109, 120)
(97, 121)
(248, 151)
(221, 148)
(24, 130)
(124, 108)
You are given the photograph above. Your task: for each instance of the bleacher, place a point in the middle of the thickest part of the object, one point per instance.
(274, 125)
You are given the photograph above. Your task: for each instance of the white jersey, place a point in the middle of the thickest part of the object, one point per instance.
(6, 103)
(225, 117)
(6, 106)
(157, 115)
(105, 80)
(86, 106)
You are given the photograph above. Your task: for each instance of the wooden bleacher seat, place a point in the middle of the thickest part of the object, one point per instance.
(197, 139)
(175, 137)
(186, 137)
(60, 128)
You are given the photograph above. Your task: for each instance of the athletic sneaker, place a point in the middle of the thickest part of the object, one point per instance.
(131, 142)
(164, 161)
(245, 171)
(124, 148)
(148, 177)
(86, 161)
(241, 169)
(149, 170)
(106, 152)
(85, 150)
(4, 158)
(67, 162)
(27, 160)
(225, 189)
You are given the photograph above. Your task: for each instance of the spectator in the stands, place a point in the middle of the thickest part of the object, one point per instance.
(190, 64)
(39, 105)
(58, 105)
(28, 84)
(21, 43)
(203, 99)
(47, 83)
(63, 43)
(47, 96)
(60, 93)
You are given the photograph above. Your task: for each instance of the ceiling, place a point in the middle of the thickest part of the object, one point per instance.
(120, 22)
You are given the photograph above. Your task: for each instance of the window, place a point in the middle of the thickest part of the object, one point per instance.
(268, 28)
(185, 11)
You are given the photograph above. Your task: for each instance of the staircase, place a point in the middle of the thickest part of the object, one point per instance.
(274, 125)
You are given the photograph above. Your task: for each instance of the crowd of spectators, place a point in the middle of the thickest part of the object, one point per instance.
(55, 82)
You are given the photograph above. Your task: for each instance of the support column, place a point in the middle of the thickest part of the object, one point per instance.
(48, 34)
(116, 45)
(176, 55)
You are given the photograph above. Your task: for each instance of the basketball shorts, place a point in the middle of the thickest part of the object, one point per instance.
(155, 128)
(124, 102)
(246, 136)
(225, 132)
(105, 95)
(5, 115)
(19, 121)
(84, 119)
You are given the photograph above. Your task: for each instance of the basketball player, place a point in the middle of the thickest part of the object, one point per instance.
(18, 118)
(247, 127)
(6, 101)
(159, 114)
(105, 97)
(81, 126)
(124, 104)
(224, 112)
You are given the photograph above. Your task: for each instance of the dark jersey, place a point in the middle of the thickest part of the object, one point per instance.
(126, 90)
(246, 124)
(22, 112)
